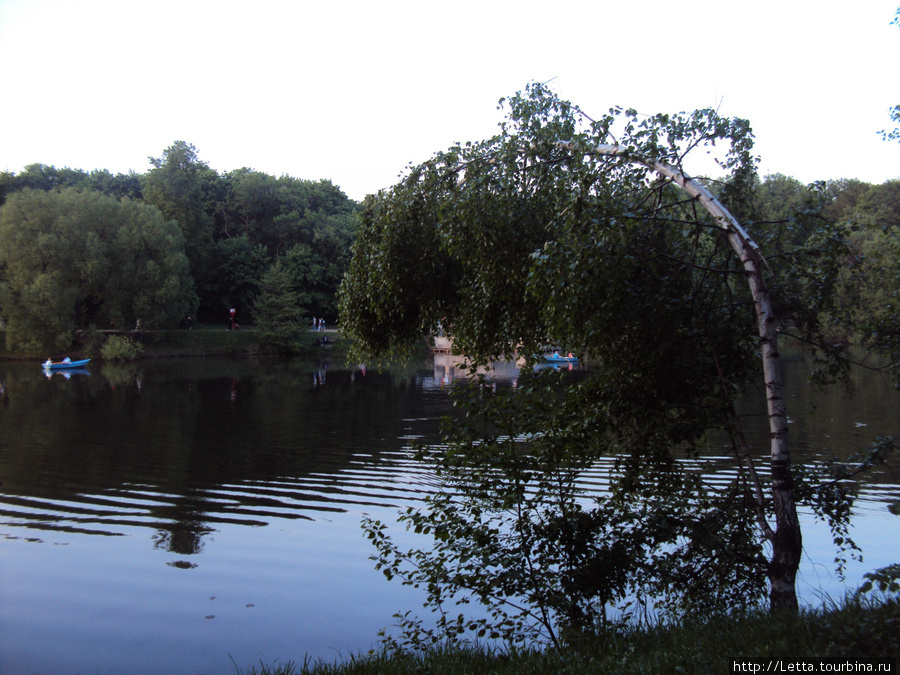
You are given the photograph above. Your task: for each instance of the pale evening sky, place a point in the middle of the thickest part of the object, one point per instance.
(353, 91)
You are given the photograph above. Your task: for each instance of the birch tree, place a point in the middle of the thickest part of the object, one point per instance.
(590, 234)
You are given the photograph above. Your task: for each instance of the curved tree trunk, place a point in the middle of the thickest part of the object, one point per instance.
(787, 543)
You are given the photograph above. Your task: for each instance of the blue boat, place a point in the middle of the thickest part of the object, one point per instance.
(556, 357)
(65, 364)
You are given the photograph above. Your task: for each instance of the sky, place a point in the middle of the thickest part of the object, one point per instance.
(353, 91)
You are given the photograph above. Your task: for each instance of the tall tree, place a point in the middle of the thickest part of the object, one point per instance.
(553, 233)
(180, 186)
(240, 265)
(278, 310)
(253, 203)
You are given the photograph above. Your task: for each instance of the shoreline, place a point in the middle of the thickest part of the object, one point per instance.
(198, 341)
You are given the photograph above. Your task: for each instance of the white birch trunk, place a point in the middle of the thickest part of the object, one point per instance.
(786, 540)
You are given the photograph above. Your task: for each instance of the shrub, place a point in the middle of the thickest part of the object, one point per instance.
(119, 348)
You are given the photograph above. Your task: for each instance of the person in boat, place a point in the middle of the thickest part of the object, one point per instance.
(67, 360)
(48, 362)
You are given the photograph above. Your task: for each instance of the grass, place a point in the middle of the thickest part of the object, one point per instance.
(203, 341)
(857, 629)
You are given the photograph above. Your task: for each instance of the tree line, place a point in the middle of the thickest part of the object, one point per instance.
(178, 243)
(94, 248)
(866, 288)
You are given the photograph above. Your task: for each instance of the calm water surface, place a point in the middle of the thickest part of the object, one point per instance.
(170, 516)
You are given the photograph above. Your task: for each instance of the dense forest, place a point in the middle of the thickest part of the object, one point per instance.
(81, 249)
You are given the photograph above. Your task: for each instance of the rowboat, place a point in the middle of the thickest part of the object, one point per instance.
(555, 361)
(559, 358)
(65, 364)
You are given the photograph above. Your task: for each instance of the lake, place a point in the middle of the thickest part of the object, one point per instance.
(187, 515)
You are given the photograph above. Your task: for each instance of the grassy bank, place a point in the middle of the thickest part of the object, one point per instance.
(200, 341)
(857, 630)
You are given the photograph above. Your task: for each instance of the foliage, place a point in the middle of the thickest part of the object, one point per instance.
(865, 239)
(121, 348)
(179, 185)
(92, 341)
(520, 242)
(894, 134)
(238, 224)
(894, 112)
(828, 488)
(234, 225)
(43, 177)
(886, 580)
(781, 198)
(867, 306)
(514, 531)
(279, 317)
(240, 265)
(72, 258)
